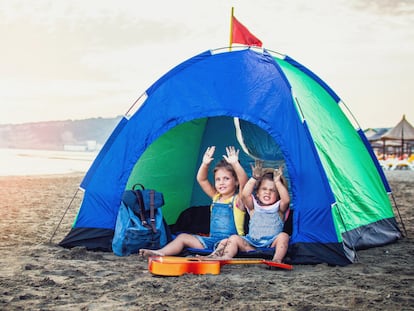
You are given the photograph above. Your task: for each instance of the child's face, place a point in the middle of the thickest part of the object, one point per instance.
(225, 182)
(267, 192)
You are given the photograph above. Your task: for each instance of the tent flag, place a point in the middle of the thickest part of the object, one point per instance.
(240, 34)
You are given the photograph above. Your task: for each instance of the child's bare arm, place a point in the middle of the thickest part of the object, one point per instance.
(233, 159)
(202, 174)
(281, 188)
(257, 172)
(246, 194)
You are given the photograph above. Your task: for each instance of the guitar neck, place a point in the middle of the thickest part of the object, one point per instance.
(241, 261)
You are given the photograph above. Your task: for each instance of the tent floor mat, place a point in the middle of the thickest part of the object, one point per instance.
(264, 252)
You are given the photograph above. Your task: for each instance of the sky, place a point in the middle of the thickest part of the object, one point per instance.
(76, 59)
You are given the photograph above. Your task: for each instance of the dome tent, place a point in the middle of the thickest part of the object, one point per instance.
(284, 113)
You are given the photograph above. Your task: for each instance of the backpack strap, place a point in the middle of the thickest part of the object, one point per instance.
(136, 185)
(141, 209)
(152, 208)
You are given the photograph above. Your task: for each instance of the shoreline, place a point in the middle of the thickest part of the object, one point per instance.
(397, 175)
(50, 175)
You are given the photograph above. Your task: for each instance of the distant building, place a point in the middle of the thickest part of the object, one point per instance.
(89, 145)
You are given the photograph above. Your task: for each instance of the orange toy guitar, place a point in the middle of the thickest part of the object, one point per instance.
(176, 266)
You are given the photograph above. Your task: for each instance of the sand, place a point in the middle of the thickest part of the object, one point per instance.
(39, 275)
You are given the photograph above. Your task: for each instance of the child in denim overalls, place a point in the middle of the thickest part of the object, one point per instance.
(229, 176)
(265, 209)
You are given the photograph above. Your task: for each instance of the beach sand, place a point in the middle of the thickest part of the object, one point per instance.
(39, 275)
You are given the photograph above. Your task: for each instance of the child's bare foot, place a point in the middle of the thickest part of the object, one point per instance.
(149, 252)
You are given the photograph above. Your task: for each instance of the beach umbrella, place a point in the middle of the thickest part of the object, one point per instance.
(402, 132)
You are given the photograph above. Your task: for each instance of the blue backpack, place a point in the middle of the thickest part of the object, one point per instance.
(140, 223)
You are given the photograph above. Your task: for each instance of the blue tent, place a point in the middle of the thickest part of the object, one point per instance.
(272, 108)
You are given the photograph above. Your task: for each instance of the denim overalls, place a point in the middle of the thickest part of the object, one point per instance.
(264, 225)
(221, 224)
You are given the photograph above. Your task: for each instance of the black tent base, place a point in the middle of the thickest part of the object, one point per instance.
(335, 254)
(382, 232)
(315, 253)
(95, 239)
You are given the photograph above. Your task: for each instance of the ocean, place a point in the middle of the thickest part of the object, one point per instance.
(19, 162)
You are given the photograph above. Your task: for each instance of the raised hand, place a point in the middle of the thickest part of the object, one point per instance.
(208, 155)
(277, 174)
(257, 169)
(232, 155)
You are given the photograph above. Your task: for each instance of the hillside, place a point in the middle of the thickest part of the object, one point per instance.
(62, 135)
(57, 135)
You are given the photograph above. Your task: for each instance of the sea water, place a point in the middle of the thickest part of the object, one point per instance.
(18, 162)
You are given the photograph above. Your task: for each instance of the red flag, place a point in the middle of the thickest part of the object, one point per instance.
(240, 34)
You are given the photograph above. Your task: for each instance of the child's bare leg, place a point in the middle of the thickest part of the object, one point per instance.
(218, 252)
(281, 243)
(234, 244)
(175, 247)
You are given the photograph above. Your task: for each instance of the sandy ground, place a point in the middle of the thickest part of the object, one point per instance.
(38, 275)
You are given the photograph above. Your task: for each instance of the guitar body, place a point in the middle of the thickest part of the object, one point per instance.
(177, 266)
